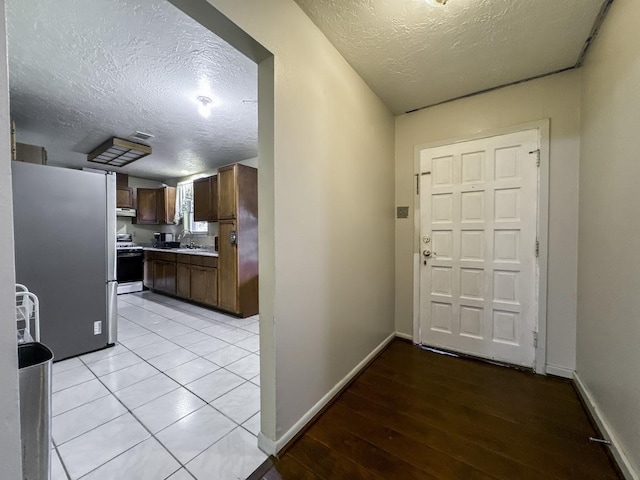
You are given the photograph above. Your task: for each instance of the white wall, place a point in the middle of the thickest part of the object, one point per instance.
(555, 97)
(10, 450)
(333, 218)
(609, 259)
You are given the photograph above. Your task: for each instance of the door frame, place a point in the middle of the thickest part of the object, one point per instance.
(542, 229)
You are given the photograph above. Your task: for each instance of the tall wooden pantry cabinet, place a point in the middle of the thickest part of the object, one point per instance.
(238, 239)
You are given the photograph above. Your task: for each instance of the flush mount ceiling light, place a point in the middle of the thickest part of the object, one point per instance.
(436, 3)
(205, 106)
(118, 152)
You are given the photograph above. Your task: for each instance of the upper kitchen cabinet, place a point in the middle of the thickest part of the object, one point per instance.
(205, 199)
(156, 206)
(125, 197)
(238, 190)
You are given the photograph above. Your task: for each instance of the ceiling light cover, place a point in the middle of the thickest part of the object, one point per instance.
(436, 3)
(118, 152)
(205, 106)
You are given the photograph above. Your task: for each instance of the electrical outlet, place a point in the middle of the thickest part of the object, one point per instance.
(97, 327)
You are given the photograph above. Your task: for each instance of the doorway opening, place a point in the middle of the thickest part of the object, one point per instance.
(190, 347)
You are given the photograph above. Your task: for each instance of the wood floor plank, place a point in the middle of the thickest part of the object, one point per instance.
(418, 415)
(326, 462)
(289, 468)
(438, 439)
(437, 464)
(365, 453)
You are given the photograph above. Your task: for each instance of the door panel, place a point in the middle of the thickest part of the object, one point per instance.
(478, 202)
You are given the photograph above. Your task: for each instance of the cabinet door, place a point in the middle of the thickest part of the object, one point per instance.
(164, 276)
(168, 205)
(124, 197)
(227, 193)
(147, 206)
(183, 280)
(228, 267)
(204, 285)
(202, 200)
(148, 272)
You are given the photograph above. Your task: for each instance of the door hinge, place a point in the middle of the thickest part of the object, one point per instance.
(537, 248)
(417, 184)
(535, 339)
(537, 152)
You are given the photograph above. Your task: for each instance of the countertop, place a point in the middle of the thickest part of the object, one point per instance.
(189, 251)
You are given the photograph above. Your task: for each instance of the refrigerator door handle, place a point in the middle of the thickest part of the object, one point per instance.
(112, 259)
(112, 312)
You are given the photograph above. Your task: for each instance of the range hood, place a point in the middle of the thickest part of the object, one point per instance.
(125, 212)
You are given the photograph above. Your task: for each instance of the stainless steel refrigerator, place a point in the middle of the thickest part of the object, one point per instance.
(64, 230)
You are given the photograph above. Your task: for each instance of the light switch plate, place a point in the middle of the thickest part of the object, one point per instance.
(402, 212)
(97, 327)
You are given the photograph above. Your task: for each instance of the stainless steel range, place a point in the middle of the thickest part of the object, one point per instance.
(130, 264)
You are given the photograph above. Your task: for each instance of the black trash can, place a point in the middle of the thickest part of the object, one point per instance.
(34, 363)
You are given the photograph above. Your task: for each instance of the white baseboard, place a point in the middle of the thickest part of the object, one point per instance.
(404, 336)
(271, 447)
(618, 453)
(559, 371)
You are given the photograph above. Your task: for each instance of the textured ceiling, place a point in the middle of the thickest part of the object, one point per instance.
(82, 71)
(414, 55)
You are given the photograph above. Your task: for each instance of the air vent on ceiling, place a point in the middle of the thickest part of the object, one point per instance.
(118, 152)
(142, 136)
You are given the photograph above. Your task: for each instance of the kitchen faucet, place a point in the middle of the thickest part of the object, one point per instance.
(183, 234)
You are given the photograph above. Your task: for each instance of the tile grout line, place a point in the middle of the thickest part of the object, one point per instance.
(181, 385)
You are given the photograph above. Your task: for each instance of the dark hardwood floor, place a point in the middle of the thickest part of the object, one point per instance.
(414, 414)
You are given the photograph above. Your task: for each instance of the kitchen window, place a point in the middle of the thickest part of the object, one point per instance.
(184, 209)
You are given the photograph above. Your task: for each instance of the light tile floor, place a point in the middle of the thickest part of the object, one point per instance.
(177, 398)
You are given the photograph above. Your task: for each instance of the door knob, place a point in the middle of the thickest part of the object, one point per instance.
(426, 253)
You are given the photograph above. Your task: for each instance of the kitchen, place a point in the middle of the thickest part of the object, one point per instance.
(180, 221)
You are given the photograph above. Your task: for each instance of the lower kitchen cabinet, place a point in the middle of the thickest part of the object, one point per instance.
(164, 276)
(192, 277)
(204, 285)
(183, 280)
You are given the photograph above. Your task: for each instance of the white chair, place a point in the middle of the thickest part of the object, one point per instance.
(27, 315)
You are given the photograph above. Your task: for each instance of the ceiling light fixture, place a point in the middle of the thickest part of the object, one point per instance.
(436, 3)
(205, 106)
(118, 152)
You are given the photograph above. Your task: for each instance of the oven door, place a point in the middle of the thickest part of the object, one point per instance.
(130, 266)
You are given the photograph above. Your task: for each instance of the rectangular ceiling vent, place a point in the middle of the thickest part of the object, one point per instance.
(118, 152)
(142, 136)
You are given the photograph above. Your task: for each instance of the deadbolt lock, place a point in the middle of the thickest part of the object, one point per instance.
(426, 239)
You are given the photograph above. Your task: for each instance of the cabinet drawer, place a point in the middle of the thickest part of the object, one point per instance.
(165, 257)
(204, 261)
(183, 258)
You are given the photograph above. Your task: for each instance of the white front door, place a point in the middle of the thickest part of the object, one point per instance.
(478, 270)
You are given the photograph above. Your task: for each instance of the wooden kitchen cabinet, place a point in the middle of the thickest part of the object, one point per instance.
(192, 277)
(205, 199)
(238, 240)
(204, 285)
(164, 276)
(148, 270)
(125, 197)
(227, 194)
(156, 206)
(183, 280)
